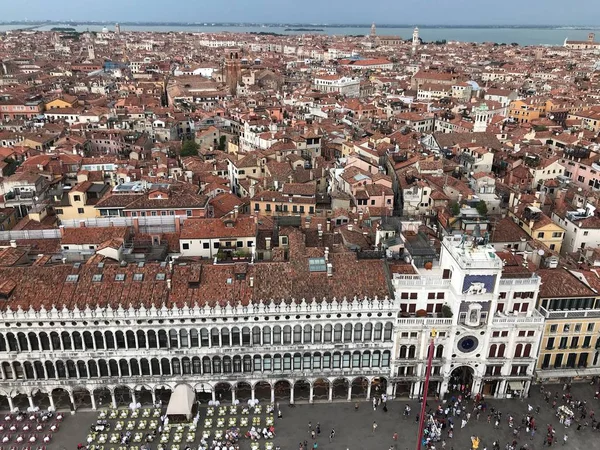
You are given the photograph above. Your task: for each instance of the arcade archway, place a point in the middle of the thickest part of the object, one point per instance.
(461, 379)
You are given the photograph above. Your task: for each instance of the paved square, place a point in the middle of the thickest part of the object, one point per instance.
(354, 428)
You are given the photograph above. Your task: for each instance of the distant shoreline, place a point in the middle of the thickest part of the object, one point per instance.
(310, 26)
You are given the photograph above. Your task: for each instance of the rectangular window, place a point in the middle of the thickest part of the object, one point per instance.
(80, 210)
(336, 361)
(185, 246)
(205, 245)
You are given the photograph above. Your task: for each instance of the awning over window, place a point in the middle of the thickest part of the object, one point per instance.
(515, 385)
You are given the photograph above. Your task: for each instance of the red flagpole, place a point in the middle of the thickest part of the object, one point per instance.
(425, 390)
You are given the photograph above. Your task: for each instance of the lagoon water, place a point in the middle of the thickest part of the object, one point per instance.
(522, 36)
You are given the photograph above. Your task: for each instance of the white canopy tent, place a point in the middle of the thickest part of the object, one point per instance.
(182, 401)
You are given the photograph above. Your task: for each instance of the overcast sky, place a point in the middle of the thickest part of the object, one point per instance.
(419, 12)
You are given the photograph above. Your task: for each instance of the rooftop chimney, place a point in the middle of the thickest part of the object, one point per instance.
(329, 269)
(328, 225)
(268, 243)
(236, 210)
(349, 227)
(251, 282)
(13, 243)
(168, 283)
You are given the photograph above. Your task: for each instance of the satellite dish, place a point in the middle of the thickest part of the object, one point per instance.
(541, 252)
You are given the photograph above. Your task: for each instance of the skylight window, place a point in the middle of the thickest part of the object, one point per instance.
(120, 277)
(160, 276)
(317, 265)
(97, 278)
(138, 277)
(72, 278)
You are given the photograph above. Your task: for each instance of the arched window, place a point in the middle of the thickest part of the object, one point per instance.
(493, 350)
(184, 338)
(326, 360)
(356, 359)
(287, 362)
(196, 366)
(163, 340)
(227, 364)
(287, 334)
(33, 339)
(276, 335)
(130, 335)
(82, 368)
(257, 363)
(66, 340)
(53, 337)
(358, 332)
(71, 370)
(173, 339)
(366, 359)
(216, 364)
(266, 332)
(518, 350)
(50, 371)
(28, 370)
(155, 366)
(204, 337)
(337, 360)
(247, 363)
(145, 367)
(152, 339)
(277, 362)
(93, 369)
(376, 360)
(194, 339)
(297, 334)
(114, 368)
(44, 341)
(61, 370)
(141, 339)
(255, 335)
(501, 349)
(2, 343)
(124, 366)
(225, 338)
(412, 351)
(527, 351)
(385, 359)
(13, 345)
(245, 336)
(346, 359)
(337, 333)
(135, 367)
(439, 351)
(267, 362)
(235, 337)
(403, 352)
(297, 361)
(368, 335)
(318, 334)
(186, 366)
(23, 344)
(165, 365)
(77, 341)
(387, 331)
(307, 338)
(348, 332)
(237, 364)
(378, 330)
(110, 339)
(306, 361)
(206, 365)
(175, 366)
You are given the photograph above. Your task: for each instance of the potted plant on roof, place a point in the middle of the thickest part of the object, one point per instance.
(220, 255)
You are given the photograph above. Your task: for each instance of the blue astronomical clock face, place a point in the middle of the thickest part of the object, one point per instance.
(467, 344)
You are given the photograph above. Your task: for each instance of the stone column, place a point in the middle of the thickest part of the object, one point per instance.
(214, 394)
(272, 394)
(93, 401)
(350, 392)
(252, 393)
(369, 391)
(330, 392)
(51, 400)
(10, 403)
(526, 389)
(133, 399)
(153, 397)
(72, 398)
(233, 396)
(310, 394)
(292, 395)
(114, 399)
(30, 398)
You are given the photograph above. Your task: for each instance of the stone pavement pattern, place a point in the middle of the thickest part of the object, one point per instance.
(354, 428)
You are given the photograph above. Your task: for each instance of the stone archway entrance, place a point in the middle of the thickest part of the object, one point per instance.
(461, 380)
(301, 390)
(102, 397)
(123, 396)
(143, 395)
(360, 386)
(262, 391)
(321, 389)
(243, 391)
(282, 390)
(223, 392)
(62, 399)
(163, 395)
(340, 388)
(82, 397)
